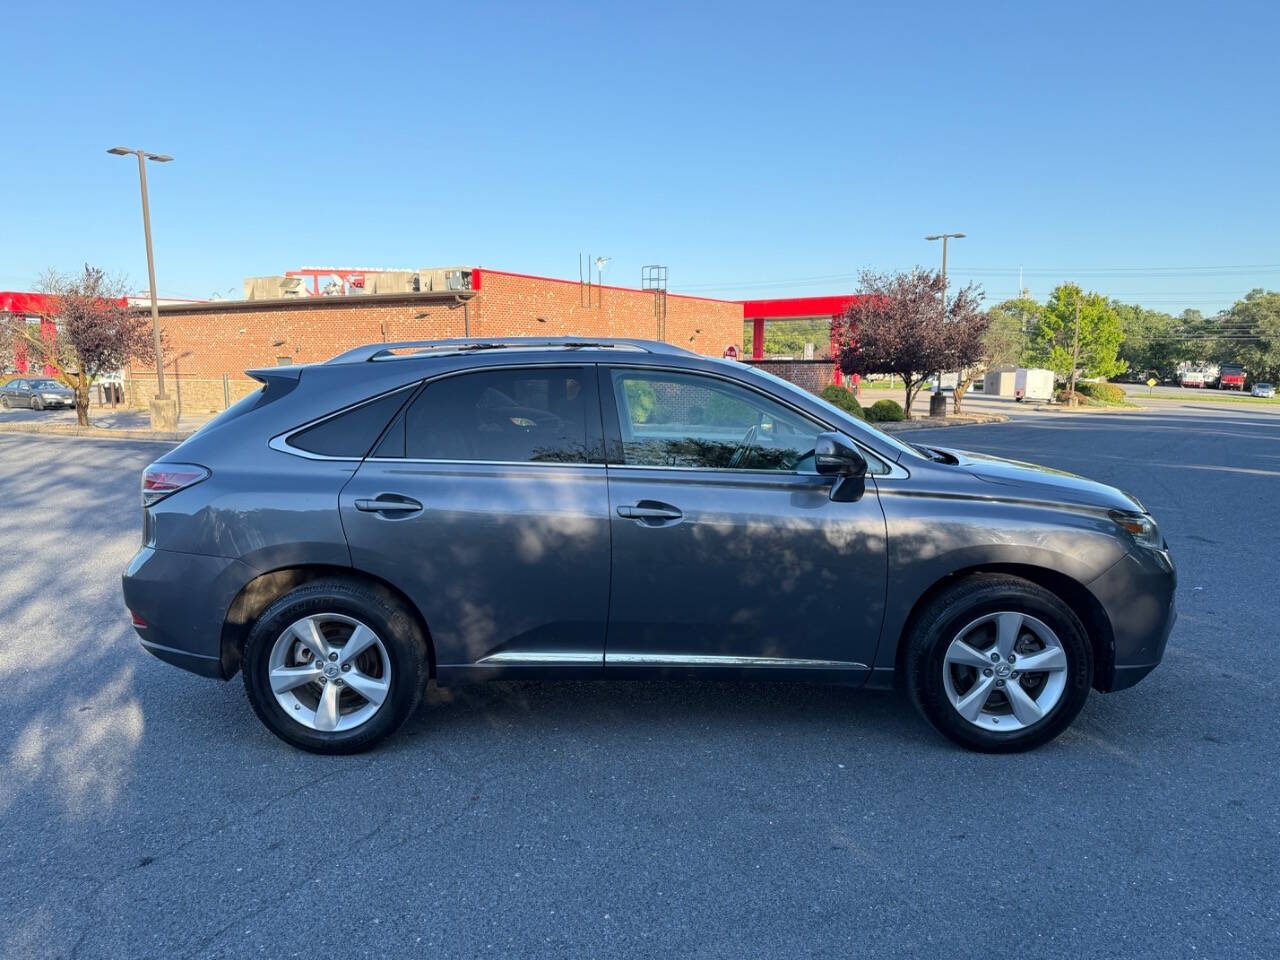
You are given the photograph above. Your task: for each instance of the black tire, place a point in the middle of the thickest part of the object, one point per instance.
(935, 626)
(4, 401)
(37, 403)
(370, 604)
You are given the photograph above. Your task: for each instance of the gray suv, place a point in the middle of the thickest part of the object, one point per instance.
(475, 510)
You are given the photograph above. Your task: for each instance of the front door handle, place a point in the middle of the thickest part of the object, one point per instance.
(389, 503)
(650, 511)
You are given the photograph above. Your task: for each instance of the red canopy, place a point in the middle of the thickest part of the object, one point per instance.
(28, 304)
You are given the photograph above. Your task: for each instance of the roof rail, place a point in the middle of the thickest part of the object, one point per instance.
(387, 351)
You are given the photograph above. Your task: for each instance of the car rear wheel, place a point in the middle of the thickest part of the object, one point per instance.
(998, 664)
(334, 666)
(4, 401)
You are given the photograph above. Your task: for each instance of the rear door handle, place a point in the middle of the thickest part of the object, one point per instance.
(650, 510)
(389, 503)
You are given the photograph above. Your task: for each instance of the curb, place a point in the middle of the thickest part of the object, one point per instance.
(94, 433)
(1069, 411)
(953, 420)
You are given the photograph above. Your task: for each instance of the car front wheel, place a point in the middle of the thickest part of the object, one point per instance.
(334, 666)
(998, 664)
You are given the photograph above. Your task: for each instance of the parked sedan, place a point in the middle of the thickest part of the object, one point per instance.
(474, 510)
(1263, 390)
(36, 394)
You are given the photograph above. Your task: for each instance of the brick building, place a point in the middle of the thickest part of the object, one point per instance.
(209, 341)
(209, 344)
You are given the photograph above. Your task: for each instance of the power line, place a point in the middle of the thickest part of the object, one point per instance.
(1234, 269)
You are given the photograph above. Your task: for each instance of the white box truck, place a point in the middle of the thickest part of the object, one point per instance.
(1032, 384)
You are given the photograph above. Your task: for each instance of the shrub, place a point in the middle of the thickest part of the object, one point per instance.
(1102, 392)
(1064, 396)
(886, 410)
(844, 398)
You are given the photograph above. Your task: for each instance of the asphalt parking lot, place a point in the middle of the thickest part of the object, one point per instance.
(147, 813)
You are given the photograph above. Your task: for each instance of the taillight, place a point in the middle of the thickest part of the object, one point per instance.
(163, 479)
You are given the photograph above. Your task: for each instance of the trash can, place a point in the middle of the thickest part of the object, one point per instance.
(937, 405)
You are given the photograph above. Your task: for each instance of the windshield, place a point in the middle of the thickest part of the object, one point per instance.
(840, 414)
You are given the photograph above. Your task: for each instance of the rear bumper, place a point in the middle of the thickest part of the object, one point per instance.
(1137, 595)
(183, 599)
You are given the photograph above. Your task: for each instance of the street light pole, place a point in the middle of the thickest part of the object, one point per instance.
(944, 237)
(143, 156)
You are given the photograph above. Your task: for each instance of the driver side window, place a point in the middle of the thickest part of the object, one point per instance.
(685, 420)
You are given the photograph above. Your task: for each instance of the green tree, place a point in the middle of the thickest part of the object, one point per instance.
(1249, 333)
(1007, 336)
(1152, 342)
(1100, 334)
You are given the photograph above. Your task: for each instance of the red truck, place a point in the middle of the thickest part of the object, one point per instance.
(1231, 377)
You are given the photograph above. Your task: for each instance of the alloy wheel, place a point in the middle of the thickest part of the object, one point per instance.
(329, 672)
(1005, 671)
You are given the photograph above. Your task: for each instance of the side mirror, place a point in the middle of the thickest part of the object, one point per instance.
(834, 456)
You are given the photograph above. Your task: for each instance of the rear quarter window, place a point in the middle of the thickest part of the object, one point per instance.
(352, 432)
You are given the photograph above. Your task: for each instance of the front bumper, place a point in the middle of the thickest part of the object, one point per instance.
(183, 599)
(1138, 597)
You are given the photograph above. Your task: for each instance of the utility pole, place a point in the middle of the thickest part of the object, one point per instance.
(158, 409)
(937, 403)
(1075, 351)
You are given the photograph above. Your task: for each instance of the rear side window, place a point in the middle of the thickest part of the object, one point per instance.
(352, 432)
(530, 415)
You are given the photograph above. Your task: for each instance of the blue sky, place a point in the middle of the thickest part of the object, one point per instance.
(771, 149)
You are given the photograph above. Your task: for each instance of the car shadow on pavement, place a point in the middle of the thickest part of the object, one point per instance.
(678, 710)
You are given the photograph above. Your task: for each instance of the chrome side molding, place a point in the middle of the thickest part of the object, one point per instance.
(712, 660)
(550, 658)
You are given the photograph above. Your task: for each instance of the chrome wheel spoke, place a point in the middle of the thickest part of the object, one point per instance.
(971, 704)
(373, 689)
(284, 679)
(362, 638)
(327, 715)
(308, 633)
(1048, 660)
(1024, 707)
(961, 654)
(973, 671)
(310, 690)
(1008, 627)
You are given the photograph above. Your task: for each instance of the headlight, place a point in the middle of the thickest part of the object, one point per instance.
(1141, 528)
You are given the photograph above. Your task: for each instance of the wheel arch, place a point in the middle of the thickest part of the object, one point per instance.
(259, 593)
(1073, 593)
